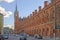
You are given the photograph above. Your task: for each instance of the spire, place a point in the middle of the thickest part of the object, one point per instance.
(16, 7)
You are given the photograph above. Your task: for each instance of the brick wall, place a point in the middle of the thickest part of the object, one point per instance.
(42, 21)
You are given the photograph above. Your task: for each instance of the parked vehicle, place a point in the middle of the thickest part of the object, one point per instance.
(6, 36)
(38, 36)
(1, 37)
(23, 37)
(31, 35)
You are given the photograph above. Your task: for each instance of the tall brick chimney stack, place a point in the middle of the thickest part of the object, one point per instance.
(45, 3)
(35, 11)
(30, 15)
(53, 1)
(39, 8)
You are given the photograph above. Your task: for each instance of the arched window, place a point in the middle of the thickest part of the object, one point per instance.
(40, 30)
(47, 31)
(43, 30)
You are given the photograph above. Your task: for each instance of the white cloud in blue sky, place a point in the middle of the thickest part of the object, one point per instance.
(9, 1)
(5, 13)
(10, 26)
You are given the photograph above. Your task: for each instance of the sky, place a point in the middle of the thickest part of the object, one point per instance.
(25, 8)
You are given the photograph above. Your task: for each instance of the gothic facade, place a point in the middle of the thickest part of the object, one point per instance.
(44, 22)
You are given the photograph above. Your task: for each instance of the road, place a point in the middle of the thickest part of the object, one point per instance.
(17, 38)
(12, 37)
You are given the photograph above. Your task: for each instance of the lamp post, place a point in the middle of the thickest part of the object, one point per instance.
(55, 18)
(54, 14)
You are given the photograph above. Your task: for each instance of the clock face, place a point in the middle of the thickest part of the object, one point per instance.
(16, 14)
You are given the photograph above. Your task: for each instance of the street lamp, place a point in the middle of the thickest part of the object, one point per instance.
(54, 9)
(55, 18)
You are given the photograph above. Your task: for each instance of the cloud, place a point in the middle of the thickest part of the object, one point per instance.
(10, 26)
(5, 13)
(7, 25)
(1, 0)
(9, 1)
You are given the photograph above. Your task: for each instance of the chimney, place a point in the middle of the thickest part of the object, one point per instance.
(33, 13)
(53, 1)
(39, 8)
(30, 14)
(45, 3)
(28, 17)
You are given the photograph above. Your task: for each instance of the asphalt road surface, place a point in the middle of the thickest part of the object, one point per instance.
(12, 37)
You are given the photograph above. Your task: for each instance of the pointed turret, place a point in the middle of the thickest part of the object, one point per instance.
(16, 12)
(16, 7)
(16, 19)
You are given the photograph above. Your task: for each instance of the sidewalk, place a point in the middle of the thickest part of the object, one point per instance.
(53, 38)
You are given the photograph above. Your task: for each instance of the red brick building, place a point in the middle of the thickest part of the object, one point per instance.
(42, 22)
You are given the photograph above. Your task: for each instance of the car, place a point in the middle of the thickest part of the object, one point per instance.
(31, 35)
(1, 37)
(23, 37)
(6, 36)
(38, 36)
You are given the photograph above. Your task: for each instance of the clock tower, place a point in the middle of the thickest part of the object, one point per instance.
(16, 14)
(16, 20)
